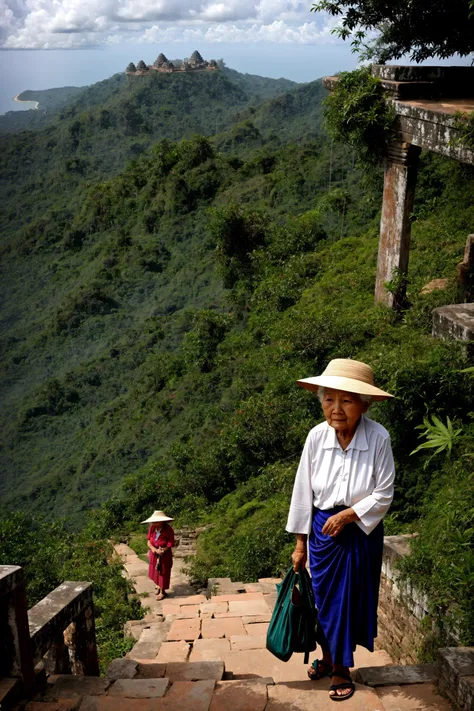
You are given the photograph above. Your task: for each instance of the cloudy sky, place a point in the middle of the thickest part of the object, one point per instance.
(80, 24)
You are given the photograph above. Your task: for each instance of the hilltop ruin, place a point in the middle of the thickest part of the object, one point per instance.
(195, 63)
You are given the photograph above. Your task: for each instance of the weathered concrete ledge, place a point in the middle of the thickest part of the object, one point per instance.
(429, 124)
(394, 675)
(455, 670)
(49, 618)
(425, 122)
(449, 80)
(455, 321)
(11, 577)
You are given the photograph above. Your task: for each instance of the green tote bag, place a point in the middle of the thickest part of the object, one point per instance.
(292, 627)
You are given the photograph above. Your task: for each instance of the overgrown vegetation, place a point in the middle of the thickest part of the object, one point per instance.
(357, 114)
(464, 125)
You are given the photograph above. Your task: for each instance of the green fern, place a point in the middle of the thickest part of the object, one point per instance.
(439, 436)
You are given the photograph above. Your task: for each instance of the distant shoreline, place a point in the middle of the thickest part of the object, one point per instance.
(23, 101)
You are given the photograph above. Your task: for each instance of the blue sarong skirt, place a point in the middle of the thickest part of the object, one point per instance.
(345, 572)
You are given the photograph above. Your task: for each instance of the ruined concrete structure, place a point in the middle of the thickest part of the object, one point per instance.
(59, 630)
(195, 63)
(426, 100)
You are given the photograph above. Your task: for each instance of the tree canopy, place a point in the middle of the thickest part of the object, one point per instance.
(419, 28)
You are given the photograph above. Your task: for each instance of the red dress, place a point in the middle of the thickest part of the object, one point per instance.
(161, 539)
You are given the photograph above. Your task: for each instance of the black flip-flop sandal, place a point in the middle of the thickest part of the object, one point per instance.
(349, 684)
(320, 674)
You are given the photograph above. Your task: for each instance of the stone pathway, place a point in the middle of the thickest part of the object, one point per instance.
(197, 652)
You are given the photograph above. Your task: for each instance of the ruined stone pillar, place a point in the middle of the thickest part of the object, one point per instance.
(401, 165)
(81, 640)
(15, 653)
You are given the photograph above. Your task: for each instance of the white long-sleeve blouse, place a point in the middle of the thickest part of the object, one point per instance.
(361, 476)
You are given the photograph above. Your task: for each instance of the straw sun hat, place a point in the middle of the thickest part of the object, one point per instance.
(349, 375)
(157, 516)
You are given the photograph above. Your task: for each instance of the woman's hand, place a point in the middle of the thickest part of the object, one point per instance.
(336, 523)
(298, 558)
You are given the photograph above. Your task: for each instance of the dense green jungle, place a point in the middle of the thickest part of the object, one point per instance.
(176, 252)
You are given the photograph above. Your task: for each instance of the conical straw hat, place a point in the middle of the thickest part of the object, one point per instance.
(157, 516)
(349, 375)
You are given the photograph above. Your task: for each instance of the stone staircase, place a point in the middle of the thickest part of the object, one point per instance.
(206, 652)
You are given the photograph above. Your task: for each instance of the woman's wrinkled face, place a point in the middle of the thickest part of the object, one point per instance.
(342, 410)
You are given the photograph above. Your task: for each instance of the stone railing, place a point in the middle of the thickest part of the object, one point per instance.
(60, 629)
(403, 608)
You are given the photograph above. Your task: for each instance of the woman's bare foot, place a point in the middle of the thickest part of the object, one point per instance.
(341, 676)
(161, 596)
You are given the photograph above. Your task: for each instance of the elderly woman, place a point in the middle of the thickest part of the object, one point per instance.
(160, 539)
(343, 489)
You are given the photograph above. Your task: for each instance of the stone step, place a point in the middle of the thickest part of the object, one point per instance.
(224, 586)
(134, 628)
(415, 697)
(256, 694)
(174, 652)
(395, 675)
(70, 686)
(248, 695)
(123, 550)
(194, 670)
(149, 641)
(313, 695)
(139, 688)
(256, 661)
(178, 696)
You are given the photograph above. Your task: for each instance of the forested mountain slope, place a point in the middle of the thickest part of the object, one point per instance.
(111, 123)
(129, 268)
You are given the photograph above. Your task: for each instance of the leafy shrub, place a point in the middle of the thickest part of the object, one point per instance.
(52, 400)
(237, 233)
(357, 114)
(87, 302)
(201, 342)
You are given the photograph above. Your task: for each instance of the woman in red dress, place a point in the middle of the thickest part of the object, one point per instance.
(160, 542)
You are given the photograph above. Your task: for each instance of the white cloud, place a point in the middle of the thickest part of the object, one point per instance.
(277, 32)
(72, 24)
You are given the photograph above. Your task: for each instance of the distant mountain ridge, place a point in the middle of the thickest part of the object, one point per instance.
(52, 101)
